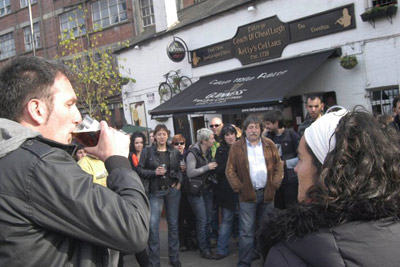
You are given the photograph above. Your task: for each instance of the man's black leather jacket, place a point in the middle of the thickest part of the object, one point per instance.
(52, 214)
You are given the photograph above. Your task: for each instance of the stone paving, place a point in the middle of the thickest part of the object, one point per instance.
(192, 258)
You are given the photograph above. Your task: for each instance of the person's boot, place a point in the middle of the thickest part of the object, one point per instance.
(207, 255)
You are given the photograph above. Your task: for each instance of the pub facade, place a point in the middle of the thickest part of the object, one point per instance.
(247, 57)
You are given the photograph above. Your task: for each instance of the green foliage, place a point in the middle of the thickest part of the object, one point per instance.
(95, 68)
(348, 62)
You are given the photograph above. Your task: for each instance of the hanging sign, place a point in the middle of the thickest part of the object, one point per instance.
(176, 51)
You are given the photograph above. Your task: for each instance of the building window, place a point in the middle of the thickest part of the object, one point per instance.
(72, 21)
(147, 12)
(28, 37)
(7, 46)
(383, 2)
(108, 12)
(5, 7)
(381, 100)
(24, 3)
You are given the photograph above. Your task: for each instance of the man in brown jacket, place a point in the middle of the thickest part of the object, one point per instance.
(255, 170)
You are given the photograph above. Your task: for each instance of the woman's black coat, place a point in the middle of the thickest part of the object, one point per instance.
(225, 196)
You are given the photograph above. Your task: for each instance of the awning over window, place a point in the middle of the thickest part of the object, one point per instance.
(249, 89)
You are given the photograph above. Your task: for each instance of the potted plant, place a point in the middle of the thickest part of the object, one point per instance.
(379, 11)
(348, 62)
(125, 80)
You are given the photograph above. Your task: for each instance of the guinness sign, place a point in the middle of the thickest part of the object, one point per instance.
(176, 50)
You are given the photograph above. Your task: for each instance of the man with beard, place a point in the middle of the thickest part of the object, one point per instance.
(255, 170)
(287, 142)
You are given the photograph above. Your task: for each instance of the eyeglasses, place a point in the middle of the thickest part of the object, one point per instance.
(180, 143)
(214, 125)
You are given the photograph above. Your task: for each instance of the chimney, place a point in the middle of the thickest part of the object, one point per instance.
(165, 14)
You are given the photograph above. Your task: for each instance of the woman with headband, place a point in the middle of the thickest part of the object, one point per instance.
(349, 197)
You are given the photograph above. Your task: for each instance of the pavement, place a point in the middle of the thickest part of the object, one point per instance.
(192, 258)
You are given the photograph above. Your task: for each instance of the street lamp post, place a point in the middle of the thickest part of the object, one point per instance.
(32, 32)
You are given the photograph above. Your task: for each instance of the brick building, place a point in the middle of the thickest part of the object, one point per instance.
(120, 20)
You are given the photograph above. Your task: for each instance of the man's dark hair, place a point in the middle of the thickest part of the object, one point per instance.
(26, 78)
(133, 137)
(313, 97)
(249, 120)
(274, 116)
(395, 100)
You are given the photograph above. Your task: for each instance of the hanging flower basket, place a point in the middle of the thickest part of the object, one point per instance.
(379, 12)
(348, 62)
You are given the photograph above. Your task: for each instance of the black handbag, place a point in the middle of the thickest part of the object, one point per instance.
(195, 186)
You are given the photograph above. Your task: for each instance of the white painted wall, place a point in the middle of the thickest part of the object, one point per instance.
(377, 51)
(165, 14)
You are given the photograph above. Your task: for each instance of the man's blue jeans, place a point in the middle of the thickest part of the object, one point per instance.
(172, 197)
(225, 231)
(249, 212)
(202, 206)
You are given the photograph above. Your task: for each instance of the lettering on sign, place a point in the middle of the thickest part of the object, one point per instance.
(262, 40)
(266, 39)
(329, 22)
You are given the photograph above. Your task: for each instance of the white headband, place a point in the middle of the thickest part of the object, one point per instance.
(320, 136)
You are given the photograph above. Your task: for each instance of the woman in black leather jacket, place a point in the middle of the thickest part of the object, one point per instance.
(165, 183)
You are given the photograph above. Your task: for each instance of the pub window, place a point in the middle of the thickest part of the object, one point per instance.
(28, 36)
(108, 12)
(381, 100)
(7, 46)
(5, 7)
(24, 3)
(72, 21)
(147, 12)
(383, 2)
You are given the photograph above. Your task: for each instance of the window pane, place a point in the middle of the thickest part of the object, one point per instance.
(7, 46)
(73, 21)
(103, 4)
(104, 13)
(123, 16)
(115, 19)
(113, 10)
(95, 7)
(147, 12)
(122, 7)
(105, 22)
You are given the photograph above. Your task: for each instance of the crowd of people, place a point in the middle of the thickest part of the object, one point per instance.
(327, 195)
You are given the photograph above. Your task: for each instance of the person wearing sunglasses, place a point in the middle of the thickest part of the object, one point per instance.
(215, 126)
(187, 219)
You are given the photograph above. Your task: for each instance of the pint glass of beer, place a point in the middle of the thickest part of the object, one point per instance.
(88, 132)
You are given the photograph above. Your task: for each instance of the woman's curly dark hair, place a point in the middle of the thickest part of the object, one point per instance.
(363, 167)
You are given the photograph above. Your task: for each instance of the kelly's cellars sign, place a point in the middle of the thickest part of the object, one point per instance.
(266, 39)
